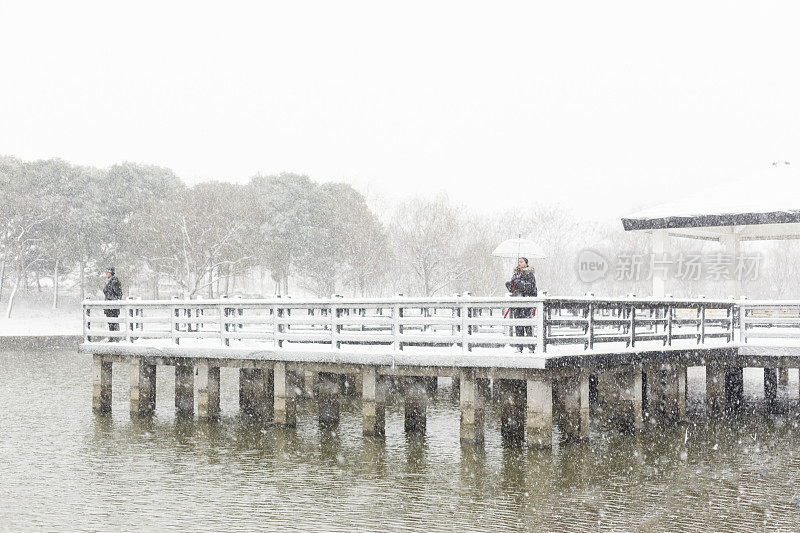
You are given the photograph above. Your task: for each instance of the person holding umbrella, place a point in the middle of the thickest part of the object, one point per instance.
(523, 283)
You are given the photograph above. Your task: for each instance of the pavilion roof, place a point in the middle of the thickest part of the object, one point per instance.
(760, 212)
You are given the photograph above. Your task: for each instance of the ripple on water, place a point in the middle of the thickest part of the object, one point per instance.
(64, 468)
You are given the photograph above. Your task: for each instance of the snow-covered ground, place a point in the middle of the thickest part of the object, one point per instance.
(33, 316)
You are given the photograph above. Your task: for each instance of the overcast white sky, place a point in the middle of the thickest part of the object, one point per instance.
(606, 106)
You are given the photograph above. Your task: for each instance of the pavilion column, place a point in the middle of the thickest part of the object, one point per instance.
(730, 246)
(660, 246)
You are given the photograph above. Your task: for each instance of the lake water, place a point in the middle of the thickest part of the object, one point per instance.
(65, 468)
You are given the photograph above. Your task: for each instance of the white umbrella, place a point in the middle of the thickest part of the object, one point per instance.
(519, 247)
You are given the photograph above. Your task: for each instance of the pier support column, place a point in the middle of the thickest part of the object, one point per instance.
(328, 398)
(207, 391)
(246, 390)
(373, 403)
(715, 389)
(771, 387)
(484, 387)
(576, 406)
(285, 397)
(607, 394)
(143, 387)
(184, 389)
(627, 410)
(471, 403)
(539, 412)
(101, 385)
(309, 382)
(350, 385)
(681, 387)
(724, 388)
(511, 395)
(666, 392)
(783, 376)
(416, 404)
(432, 385)
(255, 392)
(734, 388)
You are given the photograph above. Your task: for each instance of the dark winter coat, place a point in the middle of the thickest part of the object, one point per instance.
(113, 291)
(523, 283)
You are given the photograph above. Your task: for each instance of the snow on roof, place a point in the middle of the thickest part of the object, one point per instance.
(758, 203)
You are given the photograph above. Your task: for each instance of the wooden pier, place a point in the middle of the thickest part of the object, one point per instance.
(632, 354)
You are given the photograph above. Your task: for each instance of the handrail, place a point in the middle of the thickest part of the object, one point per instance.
(461, 321)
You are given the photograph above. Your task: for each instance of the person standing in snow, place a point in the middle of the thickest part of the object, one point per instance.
(523, 283)
(112, 291)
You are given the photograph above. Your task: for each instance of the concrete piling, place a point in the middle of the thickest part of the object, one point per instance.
(771, 387)
(101, 384)
(184, 389)
(350, 385)
(416, 404)
(207, 391)
(309, 382)
(373, 403)
(143, 387)
(285, 397)
(734, 388)
(471, 402)
(626, 410)
(256, 392)
(576, 406)
(328, 386)
(511, 394)
(724, 388)
(665, 397)
(539, 411)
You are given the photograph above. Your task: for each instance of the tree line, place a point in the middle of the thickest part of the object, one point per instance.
(276, 234)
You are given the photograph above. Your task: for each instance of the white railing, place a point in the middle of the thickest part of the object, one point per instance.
(763, 319)
(466, 322)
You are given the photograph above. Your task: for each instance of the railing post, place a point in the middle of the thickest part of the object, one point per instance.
(541, 333)
(465, 327)
(590, 327)
(175, 324)
(126, 310)
(87, 311)
(334, 312)
(276, 313)
(397, 328)
(632, 326)
(742, 323)
(223, 339)
(701, 338)
(669, 325)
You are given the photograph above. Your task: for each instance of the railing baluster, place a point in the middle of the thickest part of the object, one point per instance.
(465, 327)
(632, 325)
(670, 310)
